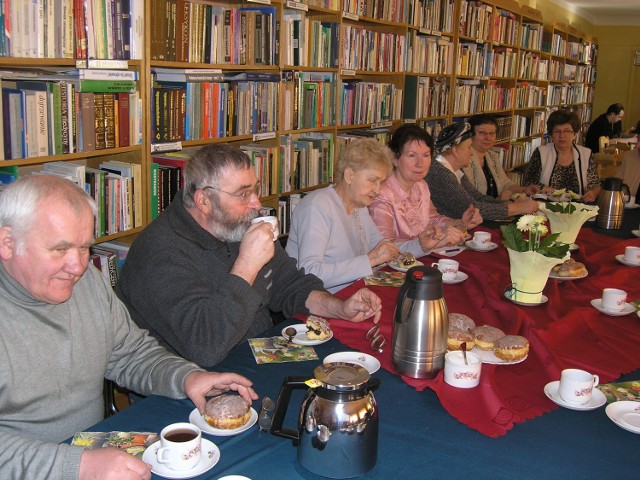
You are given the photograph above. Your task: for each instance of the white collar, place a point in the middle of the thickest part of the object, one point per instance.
(445, 163)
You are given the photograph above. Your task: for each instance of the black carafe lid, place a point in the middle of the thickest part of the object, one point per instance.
(612, 183)
(425, 283)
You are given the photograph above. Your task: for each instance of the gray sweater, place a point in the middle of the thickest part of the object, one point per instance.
(53, 359)
(176, 283)
(452, 198)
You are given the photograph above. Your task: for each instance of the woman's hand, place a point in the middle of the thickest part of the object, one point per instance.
(383, 252)
(591, 195)
(471, 218)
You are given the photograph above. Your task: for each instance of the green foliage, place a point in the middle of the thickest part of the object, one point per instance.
(567, 207)
(513, 239)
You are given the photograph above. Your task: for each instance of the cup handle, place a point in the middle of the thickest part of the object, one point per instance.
(434, 265)
(596, 381)
(160, 455)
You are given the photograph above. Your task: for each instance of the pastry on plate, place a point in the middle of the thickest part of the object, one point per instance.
(456, 337)
(461, 321)
(511, 347)
(486, 335)
(317, 328)
(227, 411)
(570, 268)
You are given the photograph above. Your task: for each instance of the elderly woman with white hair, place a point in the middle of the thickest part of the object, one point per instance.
(451, 191)
(332, 235)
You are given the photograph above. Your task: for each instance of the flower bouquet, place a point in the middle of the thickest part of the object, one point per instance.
(566, 219)
(532, 255)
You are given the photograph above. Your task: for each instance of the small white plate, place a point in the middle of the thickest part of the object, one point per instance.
(402, 268)
(631, 205)
(623, 261)
(555, 276)
(636, 233)
(543, 300)
(487, 356)
(460, 277)
(371, 364)
(448, 251)
(301, 335)
(597, 304)
(199, 421)
(625, 414)
(472, 245)
(208, 458)
(597, 398)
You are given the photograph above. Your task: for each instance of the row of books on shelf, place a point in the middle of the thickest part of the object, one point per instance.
(197, 32)
(369, 102)
(426, 97)
(517, 153)
(81, 29)
(109, 257)
(308, 42)
(431, 15)
(308, 100)
(41, 118)
(429, 54)
(373, 51)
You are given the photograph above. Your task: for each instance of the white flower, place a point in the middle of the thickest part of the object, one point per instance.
(525, 223)
(541, 228)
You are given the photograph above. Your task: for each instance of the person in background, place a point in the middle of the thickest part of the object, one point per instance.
(202, 278)
(629, 170)
(332, 234)
(562, 164)
(403, 211)
(608, 125)
(62, 331)
(451, 191)
(485, 171)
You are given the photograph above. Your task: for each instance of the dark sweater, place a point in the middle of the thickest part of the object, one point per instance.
(176, 283)
(598, 128)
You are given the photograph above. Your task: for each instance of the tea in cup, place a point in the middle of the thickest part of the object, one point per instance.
(180, 446)
(632, 255)
(482, 240)
(459, 375)
(448, 268)
(273, 221)
(613, 299)
(576, 386)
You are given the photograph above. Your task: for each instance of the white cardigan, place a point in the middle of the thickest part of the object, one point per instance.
(548, 157)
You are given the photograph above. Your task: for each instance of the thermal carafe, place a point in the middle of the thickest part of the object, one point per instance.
(610, 204)
(420, 324)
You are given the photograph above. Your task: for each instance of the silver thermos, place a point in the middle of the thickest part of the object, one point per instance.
(420, 324)
(610, 204)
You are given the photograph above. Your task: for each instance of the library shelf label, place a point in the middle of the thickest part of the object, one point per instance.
(166, 147)
(351, 16)
(297, 5)
(344, 72)
(103, 63)
(263, 136)
(382, 124)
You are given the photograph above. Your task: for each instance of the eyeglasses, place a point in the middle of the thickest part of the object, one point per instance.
(376, 338)
(563, 132)
(264, 418)
(481, 133)
(245, 196)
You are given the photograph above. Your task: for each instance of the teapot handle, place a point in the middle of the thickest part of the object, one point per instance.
(282, 403)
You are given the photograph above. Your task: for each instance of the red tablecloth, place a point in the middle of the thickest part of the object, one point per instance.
(565, 332)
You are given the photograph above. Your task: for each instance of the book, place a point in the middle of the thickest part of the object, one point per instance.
(103, 86)
(279, 350)
(134, 443)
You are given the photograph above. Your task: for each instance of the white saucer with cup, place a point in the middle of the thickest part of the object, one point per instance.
(448, 268)
(576, 386)
(613, 302)
(273, 221)
(461, 375)
(482, 240)
(180, 446)
(632, 255)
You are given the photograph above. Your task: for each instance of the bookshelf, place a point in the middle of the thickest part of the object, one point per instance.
(292, 81)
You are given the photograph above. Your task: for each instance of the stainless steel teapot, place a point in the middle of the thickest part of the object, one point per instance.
(337, 432)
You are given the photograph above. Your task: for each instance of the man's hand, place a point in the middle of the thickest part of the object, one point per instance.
(471, 217)
(256, 249)
(199, 384)
(362, 305)
(111, 463)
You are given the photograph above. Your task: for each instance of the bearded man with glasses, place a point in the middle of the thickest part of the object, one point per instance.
(201, 278)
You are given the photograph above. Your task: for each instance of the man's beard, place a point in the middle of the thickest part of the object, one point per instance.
(229, 230)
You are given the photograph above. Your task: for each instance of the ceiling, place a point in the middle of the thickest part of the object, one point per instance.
(605, 12)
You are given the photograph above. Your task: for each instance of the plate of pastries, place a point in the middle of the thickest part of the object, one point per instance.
(490, 343)
(314, 331)
(569, 270)
(404, 262)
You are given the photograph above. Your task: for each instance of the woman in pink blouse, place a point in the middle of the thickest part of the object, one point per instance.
(403, 210)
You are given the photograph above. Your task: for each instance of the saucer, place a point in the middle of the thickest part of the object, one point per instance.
(631, 205)
(597, 398)
(555, 276)
(625, 414)
(460, 277)
(402, 268)
(636, 233)
(448, 251)
(199, 421)
(301, 335)
(370, 363)
(597, 304)
(622, 260)
(543, 300)
(208, 458)
(472, 245)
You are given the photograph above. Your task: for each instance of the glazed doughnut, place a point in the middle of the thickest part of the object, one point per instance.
(461, 321)
(456, 337)
(227, 411)
(570, 268)
(317, 328)
(511, 347)
(486, 335)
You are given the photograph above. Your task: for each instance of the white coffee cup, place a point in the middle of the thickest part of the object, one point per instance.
(269, 219)
(180, 446)
(459, 375)
(613, 299)
(632, 254)
(482, 240)
(576, 386)
(448, 268)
